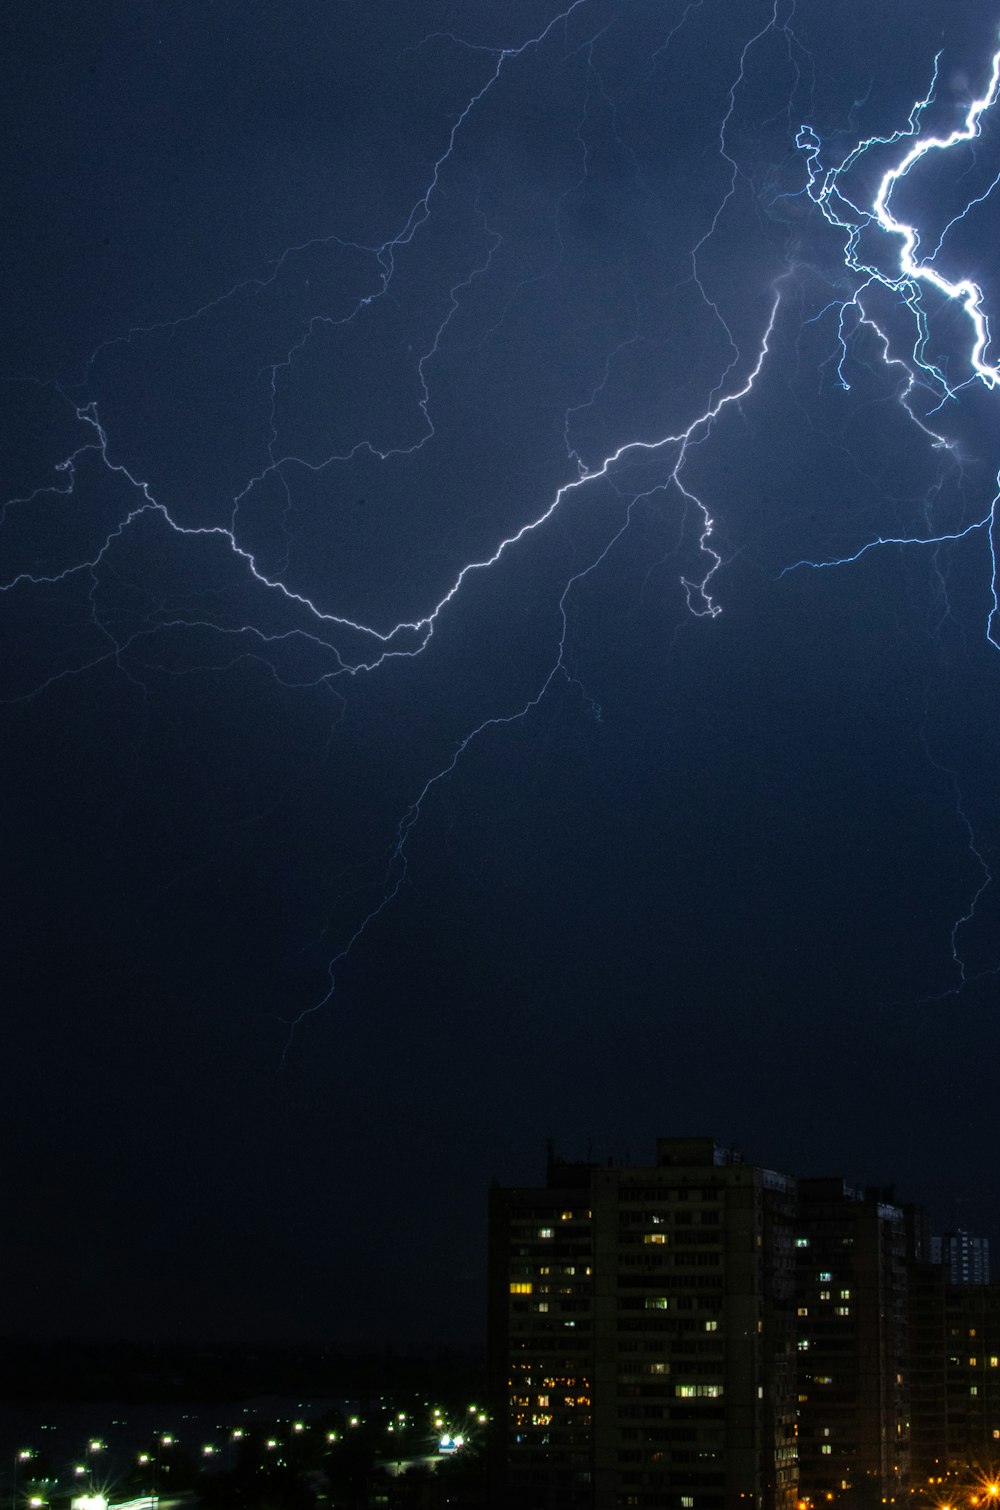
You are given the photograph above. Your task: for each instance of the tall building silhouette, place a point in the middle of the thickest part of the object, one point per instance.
(851, 1342)
(642, 1335)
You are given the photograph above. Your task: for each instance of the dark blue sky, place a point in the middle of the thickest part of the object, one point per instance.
(312, 307)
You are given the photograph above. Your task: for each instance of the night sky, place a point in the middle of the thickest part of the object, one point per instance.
(348, 857)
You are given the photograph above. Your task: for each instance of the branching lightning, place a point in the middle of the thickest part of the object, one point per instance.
(882, 252)
(904, 272)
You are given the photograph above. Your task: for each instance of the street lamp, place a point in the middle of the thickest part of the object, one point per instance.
(23, 1456)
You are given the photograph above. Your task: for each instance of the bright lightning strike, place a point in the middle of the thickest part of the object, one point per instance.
(900, 268)
(341, 646)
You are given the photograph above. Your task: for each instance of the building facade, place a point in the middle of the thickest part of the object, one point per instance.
(642, 1337)
(851, 1316)
(964, 1255)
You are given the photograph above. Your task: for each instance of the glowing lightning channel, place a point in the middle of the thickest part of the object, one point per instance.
(911, 273)
(407, 639)
(824, 189)
(697, 431)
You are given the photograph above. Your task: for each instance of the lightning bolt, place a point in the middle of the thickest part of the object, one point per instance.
(303, 638)
(896, 265)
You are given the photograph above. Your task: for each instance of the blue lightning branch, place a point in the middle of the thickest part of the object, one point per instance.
(348, 648)
(906, 274)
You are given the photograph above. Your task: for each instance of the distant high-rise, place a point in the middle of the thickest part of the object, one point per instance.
(642, 1335)
(965, 1256)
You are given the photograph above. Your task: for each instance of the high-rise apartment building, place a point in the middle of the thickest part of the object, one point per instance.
(965, 1256)
(642, 1338)
(927, 1348)
(541, 1324)
(972, 1376)
(851, 1341)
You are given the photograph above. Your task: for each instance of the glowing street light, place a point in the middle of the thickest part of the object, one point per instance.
(23, 1456)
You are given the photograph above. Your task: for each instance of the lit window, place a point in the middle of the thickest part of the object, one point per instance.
(565, 1216)
(546, 1232)
(972, 1362)
(711, 1326)
(654, 1237)
(973, 1389)
(824, 1295)
(658, 1368)
(803, 1344)
(842, 1310)
(687, 1499)
(825, 1276)
(698, 1391)
(542, 1305)
(994, 1360)
(826, 1448)
(802, 1311)
(801, 1242)
(845, 1294)
(543, 1400)
(657, 1303)
(517, 1288)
